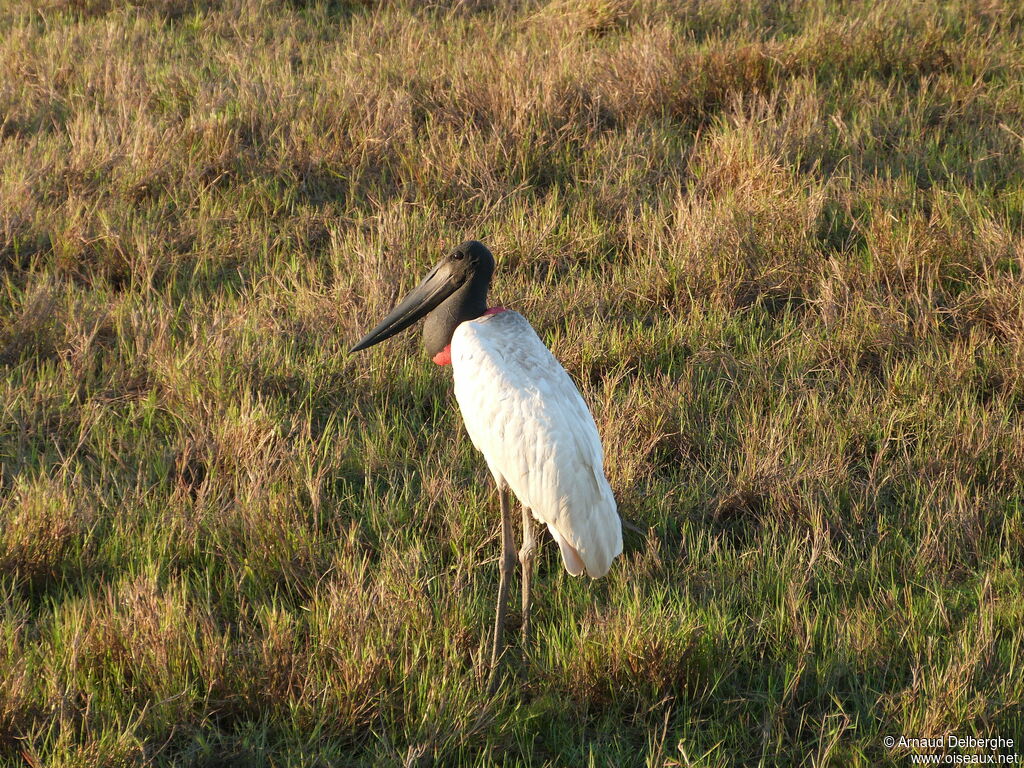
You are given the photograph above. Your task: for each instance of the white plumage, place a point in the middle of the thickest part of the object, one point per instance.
(524, 414)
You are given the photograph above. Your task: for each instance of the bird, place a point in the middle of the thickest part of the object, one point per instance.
(524, 414)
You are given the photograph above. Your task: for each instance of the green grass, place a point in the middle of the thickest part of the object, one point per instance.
(778, 245)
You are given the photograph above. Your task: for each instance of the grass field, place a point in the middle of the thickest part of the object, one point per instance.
(780, 247)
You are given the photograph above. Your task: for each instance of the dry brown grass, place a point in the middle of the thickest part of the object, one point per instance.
(778, 245)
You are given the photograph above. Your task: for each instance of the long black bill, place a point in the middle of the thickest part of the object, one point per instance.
(435, 288)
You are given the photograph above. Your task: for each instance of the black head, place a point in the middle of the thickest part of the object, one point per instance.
(452, 292)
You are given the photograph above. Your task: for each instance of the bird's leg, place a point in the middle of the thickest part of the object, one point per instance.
(507, 565)
(526, 557)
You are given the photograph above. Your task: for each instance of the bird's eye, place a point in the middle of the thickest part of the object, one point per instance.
(458, 255)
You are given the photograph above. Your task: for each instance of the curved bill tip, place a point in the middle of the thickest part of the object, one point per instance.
(434, 289)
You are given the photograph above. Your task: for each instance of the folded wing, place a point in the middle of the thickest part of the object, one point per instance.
(524, 413)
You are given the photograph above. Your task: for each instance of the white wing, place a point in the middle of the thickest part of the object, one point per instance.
(525, 415)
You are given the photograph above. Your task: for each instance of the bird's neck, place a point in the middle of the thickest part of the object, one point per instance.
(467, 303)
(444, 357)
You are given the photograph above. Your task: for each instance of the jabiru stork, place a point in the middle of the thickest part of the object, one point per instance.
(523, 413)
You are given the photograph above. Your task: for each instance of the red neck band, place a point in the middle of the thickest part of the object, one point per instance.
(444, 357)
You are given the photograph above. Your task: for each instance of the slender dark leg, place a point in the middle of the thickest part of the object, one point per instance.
(507, 564)
(526, 557)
